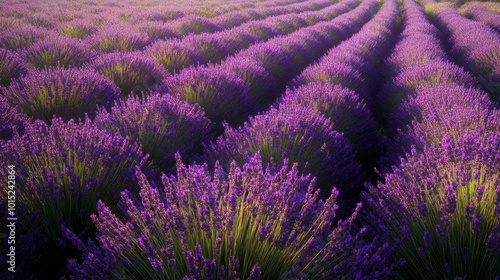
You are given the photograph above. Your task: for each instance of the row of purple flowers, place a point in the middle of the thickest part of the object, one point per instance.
(439, 202)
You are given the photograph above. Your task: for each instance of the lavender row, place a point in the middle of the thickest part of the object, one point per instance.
(300, 134)
(214, 47)
(466, 38)
(66, 11)
(106, 35)
(341, 85)
(476, 11)
(263, 67)
(439, 206)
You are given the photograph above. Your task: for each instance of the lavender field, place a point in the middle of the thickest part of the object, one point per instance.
(256, 139)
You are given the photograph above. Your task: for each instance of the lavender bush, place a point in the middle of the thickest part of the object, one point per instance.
(66, 93)
(221, 94)
(21, 36)
(418, 75)
(11, 120)
(346, 110)
(11, 67)
(59, 51)
(61, 172)
(118, 38)
(132, 72)
(66, 167)
(162, 124)
(158, 30)
(79, 29)
(441, 209)
(196, 24)
(174, 55)
(222, 226)
(302, 136)
(211, 48)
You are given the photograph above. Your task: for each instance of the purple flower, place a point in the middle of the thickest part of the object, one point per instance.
(69, 166)
(196, 24)
(22, 36)
(158, 30)
(79, 29)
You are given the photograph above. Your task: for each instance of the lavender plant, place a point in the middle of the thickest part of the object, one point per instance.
(334, 73)
(346, 110)
(11, 67)
(63, 169)
(221, 94)
(158, 30)
(118, 38)
(174, 55)
(441, 209)
(414, 76)
(211, 47)
(21, 36)
(132, 72)
(196, 24)
(79, 29)
(66, 93)
(263, 87)
(59, 51)
(222, 226)
(12, 121)
(302, 136)
(162, 124)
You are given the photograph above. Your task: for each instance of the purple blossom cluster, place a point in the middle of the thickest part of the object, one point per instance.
(22, 36)
(347, 112)
(60, 52)
(11, 67)
(62, 170)
(132, 72)
(118, 38)
(162, 124)
(221, 93)
(12, 121)
(222, 226)
(298, 134)
(441, 208)
(66, 93)
(78, 28)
